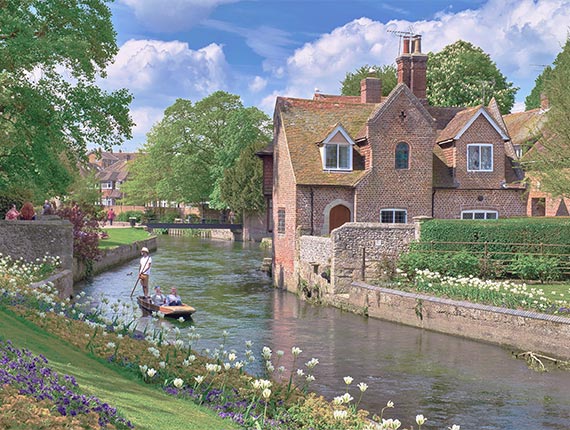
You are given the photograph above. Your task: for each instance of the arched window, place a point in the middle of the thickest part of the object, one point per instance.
(402, 155)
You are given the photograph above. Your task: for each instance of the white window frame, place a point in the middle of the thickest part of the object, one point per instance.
(393, 211)
(485, 213)
(338, 146)
(480, 146)
(107, 185)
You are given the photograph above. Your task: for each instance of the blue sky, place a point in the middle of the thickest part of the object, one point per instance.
(260, 49)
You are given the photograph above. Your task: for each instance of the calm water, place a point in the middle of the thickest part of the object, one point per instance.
(447, 379)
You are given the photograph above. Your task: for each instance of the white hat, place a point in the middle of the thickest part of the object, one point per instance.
(144, 249)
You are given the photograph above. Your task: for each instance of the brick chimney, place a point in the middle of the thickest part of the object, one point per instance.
(370, 90)
(412, 66)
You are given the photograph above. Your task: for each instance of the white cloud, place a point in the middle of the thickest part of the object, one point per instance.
(168, 69)
(517, 34)
(257, 84)
(144, 118)
(173, 15)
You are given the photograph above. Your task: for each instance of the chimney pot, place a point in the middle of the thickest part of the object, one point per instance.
(406, 46)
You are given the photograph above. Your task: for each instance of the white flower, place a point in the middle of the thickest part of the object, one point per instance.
(312, 363)
(181, 319)
(266, 393)
(390, 424)
(390, 404)
(340, 415)
(296, 351)
(143, 368)
(348, 380)
(151, 372)
(266, 353)
(162, 364)
(110, 345)
(231, 356)
(454, 427)
(420, 420)
(300, 372)
(347, 398)
(310, 378)
(199, 379)
(280, 353)
(363, 387)
(178, 383)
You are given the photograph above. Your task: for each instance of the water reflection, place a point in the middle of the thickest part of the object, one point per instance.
(448, 379)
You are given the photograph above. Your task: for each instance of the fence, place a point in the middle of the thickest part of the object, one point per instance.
(502, 253)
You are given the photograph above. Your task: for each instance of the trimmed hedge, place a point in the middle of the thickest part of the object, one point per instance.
(532, 231)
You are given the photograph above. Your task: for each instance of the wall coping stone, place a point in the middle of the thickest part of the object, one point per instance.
(469, 305)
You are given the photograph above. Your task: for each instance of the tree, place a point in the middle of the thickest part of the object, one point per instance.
(51, 53)
(463, 75)
(532, 101)
(189, 150)
(242, 185)
(351, 82)
(548, 161)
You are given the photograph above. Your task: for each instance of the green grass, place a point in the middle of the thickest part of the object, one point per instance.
(145, 406)
(122, 236)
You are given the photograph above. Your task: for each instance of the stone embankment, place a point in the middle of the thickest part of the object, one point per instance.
(518, 330)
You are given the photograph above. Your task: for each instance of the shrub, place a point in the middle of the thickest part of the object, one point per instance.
(124, 216)
(447, 263)
(530, 267)
(464, 264)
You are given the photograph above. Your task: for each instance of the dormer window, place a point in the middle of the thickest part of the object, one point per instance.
(338, 156)
(479, 158)
(336, 150)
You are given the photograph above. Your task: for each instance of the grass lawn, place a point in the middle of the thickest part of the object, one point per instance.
(122, 236)
(145, 406)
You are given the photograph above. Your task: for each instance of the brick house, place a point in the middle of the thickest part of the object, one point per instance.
(526, 129)
(111, 172)
(385, 159)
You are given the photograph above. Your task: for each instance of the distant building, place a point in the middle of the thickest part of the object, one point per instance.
(111, 172)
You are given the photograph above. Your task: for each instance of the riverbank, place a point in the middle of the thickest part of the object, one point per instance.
(515, 329)
(145, 406)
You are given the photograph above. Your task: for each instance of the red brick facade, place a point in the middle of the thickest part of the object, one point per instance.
(431, 178)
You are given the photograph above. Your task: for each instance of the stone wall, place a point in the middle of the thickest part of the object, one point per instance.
(521, 330)
(313, 266)
(363, 251)
(35, 239)
(114, 257)
(315, 249)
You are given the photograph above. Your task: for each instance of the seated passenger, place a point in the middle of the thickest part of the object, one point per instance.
(158, 298)
(173, 298)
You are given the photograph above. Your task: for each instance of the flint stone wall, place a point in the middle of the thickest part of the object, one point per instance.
(361, 249)
(35, 239)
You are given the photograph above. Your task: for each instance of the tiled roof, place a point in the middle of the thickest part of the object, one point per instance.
(454, 126)
(307, 123)
(116, 172)
(525, 126)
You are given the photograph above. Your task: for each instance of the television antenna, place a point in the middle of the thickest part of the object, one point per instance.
(403, 35)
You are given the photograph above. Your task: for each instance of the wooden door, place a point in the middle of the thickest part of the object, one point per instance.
(338, 216)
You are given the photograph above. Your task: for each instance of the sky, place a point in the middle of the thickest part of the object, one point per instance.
(261, 49)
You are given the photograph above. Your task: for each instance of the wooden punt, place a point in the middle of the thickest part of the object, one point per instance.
(169, 311)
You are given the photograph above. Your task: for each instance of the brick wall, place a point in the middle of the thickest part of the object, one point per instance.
(448, 204)
(284, 198)
(480, 132)
(387, 187)
(323, 200)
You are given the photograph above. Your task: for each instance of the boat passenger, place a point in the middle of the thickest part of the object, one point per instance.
(158, 298)
(173, 298)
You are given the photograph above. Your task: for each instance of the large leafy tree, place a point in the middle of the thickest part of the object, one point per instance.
(464, 75)
(242, 184)
(188, 151)
(549, 160)
(532, 101)
(51, 53)
(351, 82)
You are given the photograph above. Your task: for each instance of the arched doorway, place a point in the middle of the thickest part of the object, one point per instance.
(338, 216)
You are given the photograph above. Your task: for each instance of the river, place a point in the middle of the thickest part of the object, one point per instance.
(450, 380)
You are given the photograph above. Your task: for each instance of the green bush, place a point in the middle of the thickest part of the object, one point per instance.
(449, 263)
(530, 267)
(464, 264)
(124, 216)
